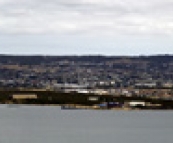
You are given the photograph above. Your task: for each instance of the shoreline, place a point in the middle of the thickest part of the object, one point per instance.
(77, 107)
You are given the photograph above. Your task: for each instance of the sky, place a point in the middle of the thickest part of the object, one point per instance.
(86, 27)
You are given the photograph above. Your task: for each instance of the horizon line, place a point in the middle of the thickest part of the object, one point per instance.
(84, 55)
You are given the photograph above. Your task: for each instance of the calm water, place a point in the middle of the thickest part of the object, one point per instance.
(52, 125)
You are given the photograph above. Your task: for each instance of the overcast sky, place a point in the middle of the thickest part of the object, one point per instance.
(82, 27)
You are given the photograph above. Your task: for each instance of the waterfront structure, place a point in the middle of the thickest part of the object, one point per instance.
(24, 96)
(137, 104)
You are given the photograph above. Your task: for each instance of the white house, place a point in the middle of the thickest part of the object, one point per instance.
(137, 103)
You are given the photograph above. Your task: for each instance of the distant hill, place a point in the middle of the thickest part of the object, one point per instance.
(97, 71)
(36, 60)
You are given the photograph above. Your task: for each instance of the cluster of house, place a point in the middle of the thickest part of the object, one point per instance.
(134, 104)
(128, 92)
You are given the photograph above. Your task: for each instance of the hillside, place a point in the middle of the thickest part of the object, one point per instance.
(36, 71)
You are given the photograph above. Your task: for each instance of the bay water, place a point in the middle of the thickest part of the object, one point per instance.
(50, 124)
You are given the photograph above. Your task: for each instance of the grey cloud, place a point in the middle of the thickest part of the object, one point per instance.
(66, 5)
(144, 16)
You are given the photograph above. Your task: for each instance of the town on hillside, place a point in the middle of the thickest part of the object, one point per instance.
(143, 76)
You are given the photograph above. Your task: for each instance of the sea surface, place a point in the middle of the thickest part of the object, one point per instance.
(45, 124)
